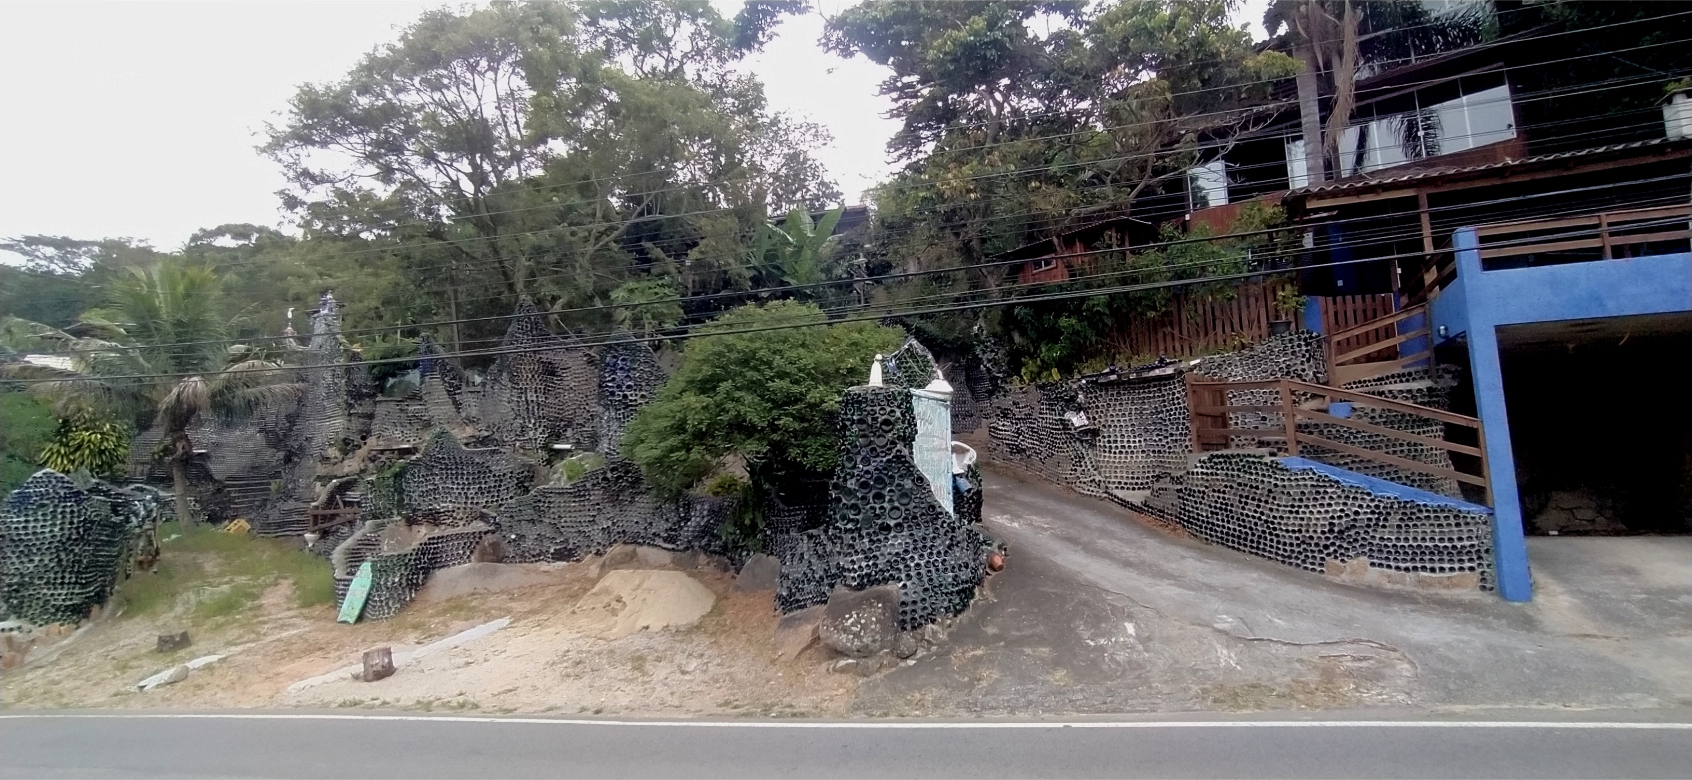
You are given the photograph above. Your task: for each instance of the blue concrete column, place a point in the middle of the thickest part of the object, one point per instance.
(1313, 314)
(1509, 545)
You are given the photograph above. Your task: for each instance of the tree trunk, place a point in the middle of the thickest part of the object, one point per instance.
(180, 452)
(1310, 113)
(1345, 92)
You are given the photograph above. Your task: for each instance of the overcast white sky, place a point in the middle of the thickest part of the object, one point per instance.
(139, 118)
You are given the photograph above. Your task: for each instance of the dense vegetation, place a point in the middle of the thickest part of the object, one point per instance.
(612, 160)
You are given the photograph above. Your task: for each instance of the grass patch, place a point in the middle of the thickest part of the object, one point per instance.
(228, 600)
(228, 571)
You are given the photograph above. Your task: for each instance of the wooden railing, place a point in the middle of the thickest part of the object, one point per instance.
(1207, 402)
(1359, 352)
(1606, 236)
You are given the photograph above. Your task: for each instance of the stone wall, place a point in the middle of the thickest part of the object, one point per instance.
(884, 524)
(64, 543)
(1319, 519)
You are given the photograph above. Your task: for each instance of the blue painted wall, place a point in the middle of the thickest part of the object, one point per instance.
(1313, 314)
(1480, 301)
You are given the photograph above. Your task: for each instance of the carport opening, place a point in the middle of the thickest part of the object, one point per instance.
(1598, 423)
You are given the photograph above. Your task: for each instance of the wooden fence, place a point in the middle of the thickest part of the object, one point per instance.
(1195, 325)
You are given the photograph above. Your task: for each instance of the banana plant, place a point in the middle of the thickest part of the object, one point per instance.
(792, 253)
(168, 357)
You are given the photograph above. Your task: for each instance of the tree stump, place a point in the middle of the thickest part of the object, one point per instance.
(172, 642)
(378, 664)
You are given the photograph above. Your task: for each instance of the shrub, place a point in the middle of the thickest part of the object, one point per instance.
(768, 396)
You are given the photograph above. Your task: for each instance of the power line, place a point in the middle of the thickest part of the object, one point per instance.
(896, 185)
(888, 312)
(1355, 239)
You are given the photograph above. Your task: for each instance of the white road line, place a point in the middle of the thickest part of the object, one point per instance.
(878, 725)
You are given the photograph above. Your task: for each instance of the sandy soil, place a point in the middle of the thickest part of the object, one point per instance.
(549, 659)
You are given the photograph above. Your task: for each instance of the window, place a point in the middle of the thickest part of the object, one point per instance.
(1475, 119)
(1298, 173)
(1207, 185)
(1043, 264)
(1472, 119)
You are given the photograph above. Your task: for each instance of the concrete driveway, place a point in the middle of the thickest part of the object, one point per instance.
(1100, 613)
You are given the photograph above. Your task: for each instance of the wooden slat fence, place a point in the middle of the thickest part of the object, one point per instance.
(1344, 312)
(1197, 325)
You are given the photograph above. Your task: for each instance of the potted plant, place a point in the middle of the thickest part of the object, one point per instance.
(1288, 303)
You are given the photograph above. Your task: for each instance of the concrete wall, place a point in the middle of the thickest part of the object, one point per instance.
(1478, 302)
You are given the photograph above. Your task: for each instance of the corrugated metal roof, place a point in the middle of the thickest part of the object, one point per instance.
(1433, 173)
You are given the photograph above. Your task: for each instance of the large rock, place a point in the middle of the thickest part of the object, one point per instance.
(630, 600)
(860, 623)
(797, 631)
(759, 574)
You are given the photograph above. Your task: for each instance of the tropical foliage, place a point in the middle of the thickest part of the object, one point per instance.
(85, 441)
(763, 388)
(165, 361)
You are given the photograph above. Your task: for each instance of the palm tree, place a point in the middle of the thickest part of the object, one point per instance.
(160, 351)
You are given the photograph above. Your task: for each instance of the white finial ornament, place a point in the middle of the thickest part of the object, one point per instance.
(939, 386)
(875, 372)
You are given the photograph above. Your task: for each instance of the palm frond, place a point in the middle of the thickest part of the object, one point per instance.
(182, 404)
(245, 388)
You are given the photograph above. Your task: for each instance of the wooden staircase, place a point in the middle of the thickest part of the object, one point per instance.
(1387, 345)
(1223, 413)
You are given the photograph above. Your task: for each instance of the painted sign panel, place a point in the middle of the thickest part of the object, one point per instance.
(932, 449)
(357, 593)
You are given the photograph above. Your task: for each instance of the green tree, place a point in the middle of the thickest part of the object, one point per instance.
(648, 306)
(57, 277)
(792, 253)
(85, 441)
(1336, 41)
(546, 149)
(767, 396)
(1014, 135)
(165, 359)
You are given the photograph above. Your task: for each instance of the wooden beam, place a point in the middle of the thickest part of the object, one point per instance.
(1364, 399)
(1390, 319)
(1378, 346)
(1393, 460)
(1324, 417)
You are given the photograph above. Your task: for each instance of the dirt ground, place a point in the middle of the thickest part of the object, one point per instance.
(547, 660)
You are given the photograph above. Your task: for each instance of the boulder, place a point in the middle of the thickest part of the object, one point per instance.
(860, 623)
(797, 631)
(906, 644)
(759, 574)
(492, 549)
(653, 557)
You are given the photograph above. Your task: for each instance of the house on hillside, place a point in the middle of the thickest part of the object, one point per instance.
(1526, 237)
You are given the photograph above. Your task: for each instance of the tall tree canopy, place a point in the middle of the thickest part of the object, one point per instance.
(1024, 119)
(549, 149)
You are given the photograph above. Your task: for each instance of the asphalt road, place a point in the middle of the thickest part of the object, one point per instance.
(340, 745)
